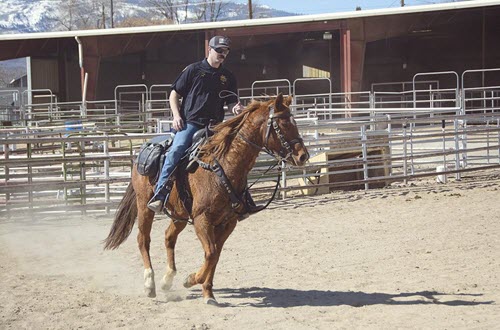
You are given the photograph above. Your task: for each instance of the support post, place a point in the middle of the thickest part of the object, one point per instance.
(345, 72)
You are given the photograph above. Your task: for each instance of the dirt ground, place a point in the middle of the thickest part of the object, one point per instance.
(417, 256)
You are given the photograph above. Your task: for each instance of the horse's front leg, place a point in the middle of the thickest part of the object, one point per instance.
(212, 239)
(171, 234)
(222, 232)
(205, 232)
(145, 221)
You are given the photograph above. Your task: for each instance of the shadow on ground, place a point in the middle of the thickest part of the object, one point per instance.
(268, 297)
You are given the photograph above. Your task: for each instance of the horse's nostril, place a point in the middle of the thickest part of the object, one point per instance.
(303, 158)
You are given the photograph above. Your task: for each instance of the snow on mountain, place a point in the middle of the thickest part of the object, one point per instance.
(24, 16)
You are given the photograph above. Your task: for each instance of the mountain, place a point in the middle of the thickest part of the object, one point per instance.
(25, 16)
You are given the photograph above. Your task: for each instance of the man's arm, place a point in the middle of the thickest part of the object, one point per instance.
(178, 123)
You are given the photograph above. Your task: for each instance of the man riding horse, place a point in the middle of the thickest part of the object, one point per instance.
(200, 85)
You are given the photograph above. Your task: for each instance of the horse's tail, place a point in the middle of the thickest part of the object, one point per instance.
(124, 220)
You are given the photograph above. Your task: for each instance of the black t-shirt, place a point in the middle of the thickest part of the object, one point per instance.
(199, 84)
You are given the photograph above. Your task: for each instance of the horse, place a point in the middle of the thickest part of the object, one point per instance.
(235, 145)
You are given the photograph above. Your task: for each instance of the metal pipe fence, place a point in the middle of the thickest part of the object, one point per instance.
(77, 157)
(48, 171)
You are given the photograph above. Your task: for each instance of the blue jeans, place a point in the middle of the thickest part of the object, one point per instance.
(182, 141)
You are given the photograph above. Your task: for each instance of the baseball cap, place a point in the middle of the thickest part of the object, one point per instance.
(219, 42)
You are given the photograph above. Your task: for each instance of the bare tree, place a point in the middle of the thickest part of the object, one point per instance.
(216, 9)
(183, 11)
(166, 8)
(78, 14)
(200, 11)
(185, 7)
(84, 14)
(141, 21)
(209, 10)
(65, 16)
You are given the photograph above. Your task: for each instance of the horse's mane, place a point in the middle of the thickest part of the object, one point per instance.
(225, 132)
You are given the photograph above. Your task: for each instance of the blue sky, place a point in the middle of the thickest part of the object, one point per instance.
(331, 6)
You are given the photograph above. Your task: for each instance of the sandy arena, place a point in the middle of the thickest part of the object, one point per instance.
(417, 256)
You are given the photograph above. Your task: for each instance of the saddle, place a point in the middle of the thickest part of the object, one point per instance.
(152, 153)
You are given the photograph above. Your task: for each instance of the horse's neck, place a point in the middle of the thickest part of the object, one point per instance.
(241, 156)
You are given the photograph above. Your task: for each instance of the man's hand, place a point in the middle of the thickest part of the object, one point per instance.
(178, 123)
(238, 107)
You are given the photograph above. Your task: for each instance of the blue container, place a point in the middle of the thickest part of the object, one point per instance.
(73, 125)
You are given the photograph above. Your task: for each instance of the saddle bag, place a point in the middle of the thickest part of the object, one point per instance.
(150, 156)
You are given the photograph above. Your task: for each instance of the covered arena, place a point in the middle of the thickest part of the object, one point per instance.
(380, 96)
(393, 223)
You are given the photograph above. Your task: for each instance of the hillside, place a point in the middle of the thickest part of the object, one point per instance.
(26, 16)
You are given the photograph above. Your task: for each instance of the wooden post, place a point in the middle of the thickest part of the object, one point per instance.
(345, 72)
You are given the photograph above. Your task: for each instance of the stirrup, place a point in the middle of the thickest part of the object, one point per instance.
(156, 205)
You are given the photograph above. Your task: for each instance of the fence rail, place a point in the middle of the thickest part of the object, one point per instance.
(76, 157)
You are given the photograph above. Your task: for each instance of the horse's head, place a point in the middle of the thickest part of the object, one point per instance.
(282, 136)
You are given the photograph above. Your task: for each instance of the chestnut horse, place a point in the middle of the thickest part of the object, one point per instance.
(235, 145)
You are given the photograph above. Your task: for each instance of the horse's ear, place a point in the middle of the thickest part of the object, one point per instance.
(278, 103)
(288, 100)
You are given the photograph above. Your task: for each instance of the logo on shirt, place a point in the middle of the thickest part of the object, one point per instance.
(223, 79)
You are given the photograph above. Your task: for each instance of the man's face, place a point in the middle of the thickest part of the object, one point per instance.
(218, 54)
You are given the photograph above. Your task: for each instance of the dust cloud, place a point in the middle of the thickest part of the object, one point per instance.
(58, 245)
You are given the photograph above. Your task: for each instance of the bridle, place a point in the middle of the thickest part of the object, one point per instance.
(286, 148)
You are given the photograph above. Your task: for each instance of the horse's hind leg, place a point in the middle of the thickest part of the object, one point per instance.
(171, 234)
(145, 222)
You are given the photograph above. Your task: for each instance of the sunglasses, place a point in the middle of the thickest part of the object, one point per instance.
(221, 50)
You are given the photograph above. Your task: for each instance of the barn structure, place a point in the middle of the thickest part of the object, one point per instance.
(354, 49)
(379, 96)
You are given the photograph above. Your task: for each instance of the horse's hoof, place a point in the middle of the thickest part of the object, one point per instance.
(210, 301)
(149, 283)
(188, 282)
(151, 293)
(166, 283)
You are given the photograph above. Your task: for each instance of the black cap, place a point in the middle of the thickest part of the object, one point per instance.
(219, 42)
